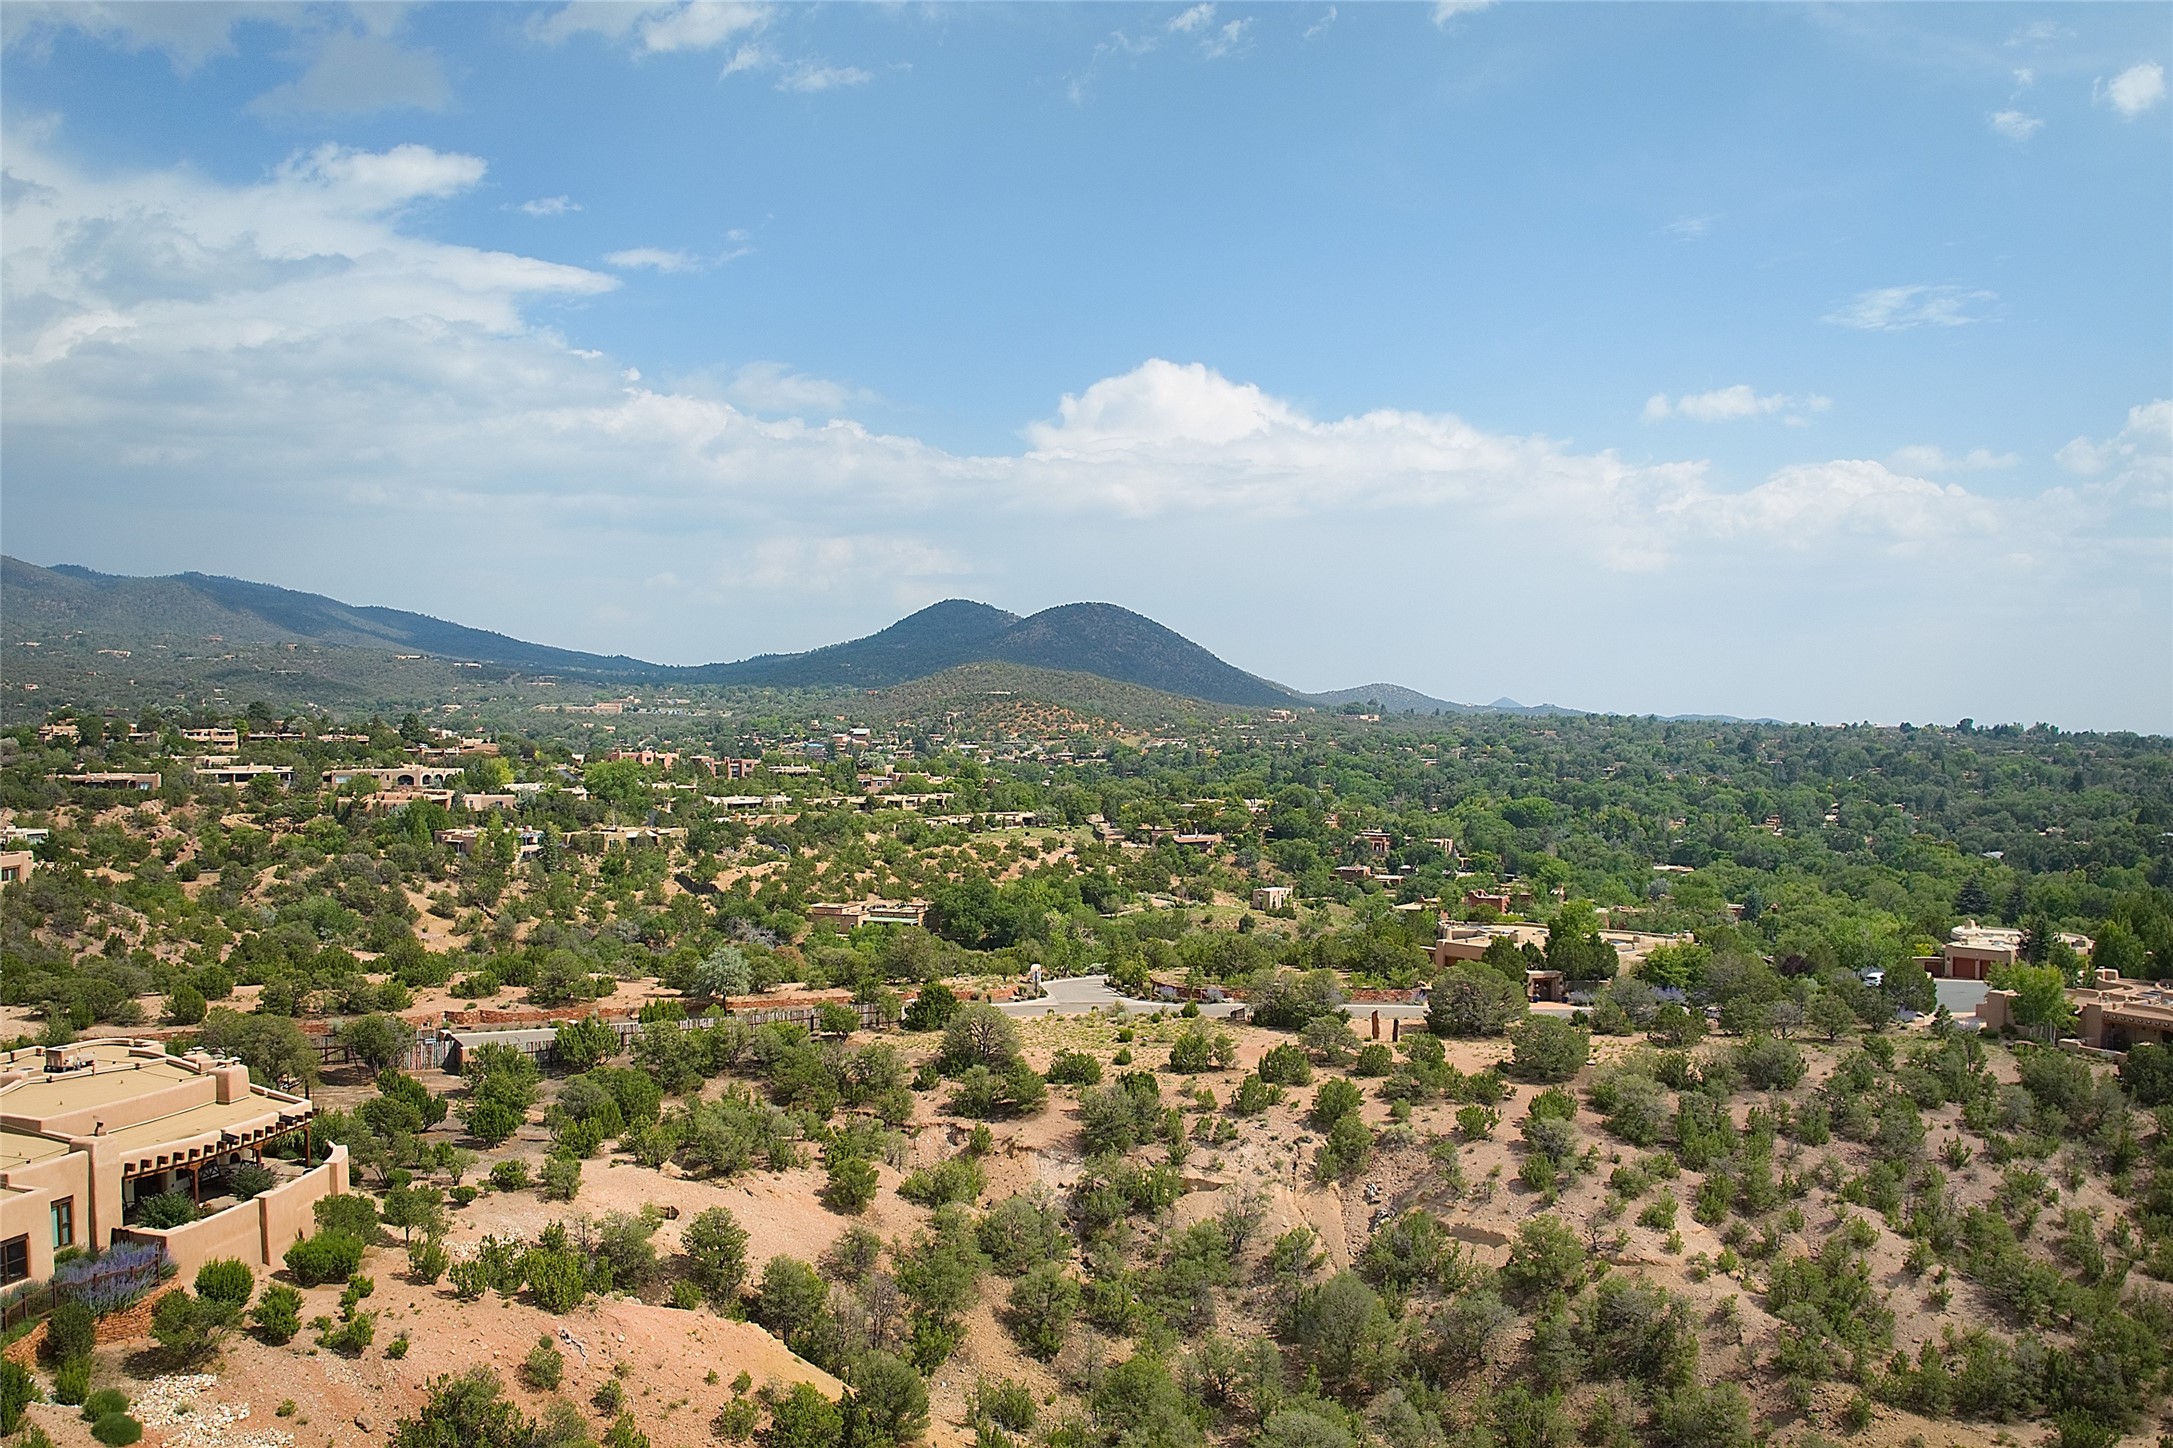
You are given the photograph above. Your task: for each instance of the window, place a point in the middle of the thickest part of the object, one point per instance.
(14, 1260)
(64, 1222)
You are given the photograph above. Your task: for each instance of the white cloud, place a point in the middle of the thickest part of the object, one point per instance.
(189, 34)
(808, 78)
(2135, 90)
(1897, 309)
(774, 389)
(791, 562)
(1923, 459)
(1199, 17)
(1689, 228)
(653, 29)
(2140, 455)
(1327, 19)
(653, 258)
(1730, 404)
(2025, 78)
(751, 56)
(1225, 39)
(353, 62)
(273, 365)
(550, 206)
(2015, 125)
(1447, 10)
(2039, 32)
(359, 75)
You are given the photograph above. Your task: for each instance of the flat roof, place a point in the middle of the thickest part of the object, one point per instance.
(211, 1117)
(110, 1081)
(21, 1148)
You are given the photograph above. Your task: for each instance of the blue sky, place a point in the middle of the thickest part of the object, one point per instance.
(1790, 360)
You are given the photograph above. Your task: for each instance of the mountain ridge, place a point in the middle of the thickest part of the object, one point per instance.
(1101, 639)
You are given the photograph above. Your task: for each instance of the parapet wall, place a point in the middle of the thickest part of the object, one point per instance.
(257, 1231)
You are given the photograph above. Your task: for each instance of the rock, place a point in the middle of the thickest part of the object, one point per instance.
(362, 1422)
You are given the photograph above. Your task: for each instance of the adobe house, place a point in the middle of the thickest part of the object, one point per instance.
(89, 1131)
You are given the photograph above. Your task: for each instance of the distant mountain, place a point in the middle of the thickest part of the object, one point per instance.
(1075, 638)
(103, 610)
(197, 605)
(941, 636)
(1079, 638)
(1393, 699)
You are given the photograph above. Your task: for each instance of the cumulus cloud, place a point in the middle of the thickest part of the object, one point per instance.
(2139, 456)
(793, 562)
(2135, 90)
(2015, 125)
(184, 353)
(775, 389)
(1730, 404)
(1898, 309)
(1923, 459)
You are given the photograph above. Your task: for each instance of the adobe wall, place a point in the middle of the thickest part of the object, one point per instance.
(257, 1231)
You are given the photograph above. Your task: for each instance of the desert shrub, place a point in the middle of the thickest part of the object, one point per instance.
(1703, 1417)
(70, 1333)
(1115, 1118)
(104, 1403)
(509, 1176)
(72, 1382)
(932, 1009)
(554, 1278)
(716, 1249)
(849, 1184)
(1547, 1048)
(1040, 1309)
(427, 1259)
(249, 1180)
(190, 1328)
(544, 1366)
(1254, 1096)
(1469, 999)
(1374, 1059)
(560, 1180)
(1770, 1063)
(792, 1297)
(1476, 1123)
(1349, 1146)
(959, 1179)
(985, 1094)
(227, 1280)
(166, 1210)
(348, 1214)
(1007, 1404)
(1196, 1050)
(18, 1389)
(278, 1314)
(1074, 1068)
(117, 1430)
(1286, 1065)
(1336, 1099)
(1546, 1257)
(1022, 1232)
(326, 1257)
